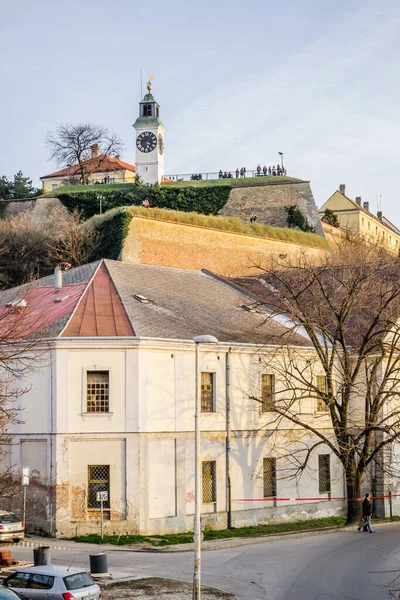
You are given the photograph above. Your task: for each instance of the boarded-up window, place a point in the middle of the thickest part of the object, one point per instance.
(209, 481)
(322, 387)
(207, 392)
(98, 481)
(97, 391)
(267, 392)
(269, 477)
(324, 473)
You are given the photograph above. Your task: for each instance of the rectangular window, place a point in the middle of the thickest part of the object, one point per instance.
(324, 473)
(267, 392)
(369, 225)
(207, 392)
(209, 468)
(97, 391)
(147, 110)
(269, 477)
(322, 387)
(98, 481)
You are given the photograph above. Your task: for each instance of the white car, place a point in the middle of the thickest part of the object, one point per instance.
(11, 527)
(53, 582)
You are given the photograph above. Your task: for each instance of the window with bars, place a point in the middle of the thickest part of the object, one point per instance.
(207, 392)
(209, 469)
(147, 110)
(324, 473)
(97, 391)
(267, 392)
(322, 387)
(98, 481)
(269, 477)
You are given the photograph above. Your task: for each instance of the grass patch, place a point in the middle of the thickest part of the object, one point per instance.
(187, 538)
(232, 183)
(228, 224)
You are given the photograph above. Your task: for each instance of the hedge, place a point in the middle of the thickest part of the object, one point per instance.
(207, 201)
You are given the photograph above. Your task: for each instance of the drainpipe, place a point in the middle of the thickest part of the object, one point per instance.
(228, 437)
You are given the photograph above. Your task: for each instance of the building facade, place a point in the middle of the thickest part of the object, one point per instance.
(355, 216)
(111, 409)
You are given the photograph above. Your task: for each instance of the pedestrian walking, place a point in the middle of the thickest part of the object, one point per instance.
(220, 174)
(244, 171)
(367, 512)
(258, 170)
(237, 172)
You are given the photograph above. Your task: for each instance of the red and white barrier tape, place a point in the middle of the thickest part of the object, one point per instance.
(307, 499)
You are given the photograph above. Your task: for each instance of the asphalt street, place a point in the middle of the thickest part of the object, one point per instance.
(341, 565)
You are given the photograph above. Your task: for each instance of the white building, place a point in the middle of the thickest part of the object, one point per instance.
(112, 409)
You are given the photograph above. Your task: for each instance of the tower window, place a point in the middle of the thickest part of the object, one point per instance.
(147, 110)
(157, 111)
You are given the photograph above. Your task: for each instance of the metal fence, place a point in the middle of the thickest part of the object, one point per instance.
(233, 174)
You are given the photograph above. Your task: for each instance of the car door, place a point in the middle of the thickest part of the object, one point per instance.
(40, 587)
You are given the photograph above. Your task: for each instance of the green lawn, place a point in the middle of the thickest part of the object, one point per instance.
(241, 182)
(187, 538)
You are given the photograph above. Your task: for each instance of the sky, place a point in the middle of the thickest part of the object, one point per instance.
(237, 83)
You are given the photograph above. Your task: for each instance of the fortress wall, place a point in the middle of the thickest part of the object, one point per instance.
(268, 203)
(188, 247)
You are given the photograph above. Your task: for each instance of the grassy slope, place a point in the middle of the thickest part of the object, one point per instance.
(243, 182)
(228, 224)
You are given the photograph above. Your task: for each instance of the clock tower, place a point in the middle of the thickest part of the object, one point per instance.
(149, 140)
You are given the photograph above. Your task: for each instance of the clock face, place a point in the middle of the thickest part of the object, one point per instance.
(160, 143)
(146, 141)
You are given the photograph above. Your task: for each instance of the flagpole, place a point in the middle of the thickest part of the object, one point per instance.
(141, 83)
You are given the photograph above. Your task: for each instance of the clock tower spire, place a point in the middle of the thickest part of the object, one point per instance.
(149, 140)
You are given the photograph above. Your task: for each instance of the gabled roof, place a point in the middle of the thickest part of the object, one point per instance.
(98, 164)
(113, 298)
(354, 206)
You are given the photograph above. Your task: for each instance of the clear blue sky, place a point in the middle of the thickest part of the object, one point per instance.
(237, 82)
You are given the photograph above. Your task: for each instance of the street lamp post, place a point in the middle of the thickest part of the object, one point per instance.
(100, 199)
(281, 155)
(199, 339)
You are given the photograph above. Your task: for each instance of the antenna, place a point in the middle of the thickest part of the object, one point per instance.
(70, 564)
(141, 84)
(380, 202)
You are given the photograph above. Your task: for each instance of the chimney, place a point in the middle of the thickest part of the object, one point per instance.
(366, 205)
(342, 188)
(358, 200)
(58, 280)
(95, 150)
(379, 215)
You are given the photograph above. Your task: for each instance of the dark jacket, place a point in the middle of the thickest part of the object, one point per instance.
(367, 507)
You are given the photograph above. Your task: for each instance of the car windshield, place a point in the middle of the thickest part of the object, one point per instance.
(9, 518)
(75, 581)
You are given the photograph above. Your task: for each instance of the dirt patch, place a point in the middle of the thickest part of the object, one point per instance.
(162, 589)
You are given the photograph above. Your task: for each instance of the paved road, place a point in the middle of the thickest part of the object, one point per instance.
(344, 565)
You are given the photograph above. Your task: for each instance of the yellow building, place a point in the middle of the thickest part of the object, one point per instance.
(99, 168)
(355, 216)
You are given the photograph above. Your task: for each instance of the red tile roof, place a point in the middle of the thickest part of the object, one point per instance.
(98, 164)
(100, 312)
(41, 309)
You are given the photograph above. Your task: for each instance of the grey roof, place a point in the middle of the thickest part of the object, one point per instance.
(81, 274)
(186, 303)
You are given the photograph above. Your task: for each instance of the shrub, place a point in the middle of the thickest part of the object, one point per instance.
(295, 218)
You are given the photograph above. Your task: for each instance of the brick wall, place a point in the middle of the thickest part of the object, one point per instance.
(187, 247)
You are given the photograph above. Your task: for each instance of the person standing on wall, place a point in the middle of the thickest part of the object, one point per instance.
(367, 512)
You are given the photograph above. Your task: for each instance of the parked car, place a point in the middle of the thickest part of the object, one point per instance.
(10, 595)
(53, 582)
(11, 527)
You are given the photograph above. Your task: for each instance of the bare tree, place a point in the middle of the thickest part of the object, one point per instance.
(23, 248)
(77, 242)
(347, 311)
(23, 348)
(73, 145)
